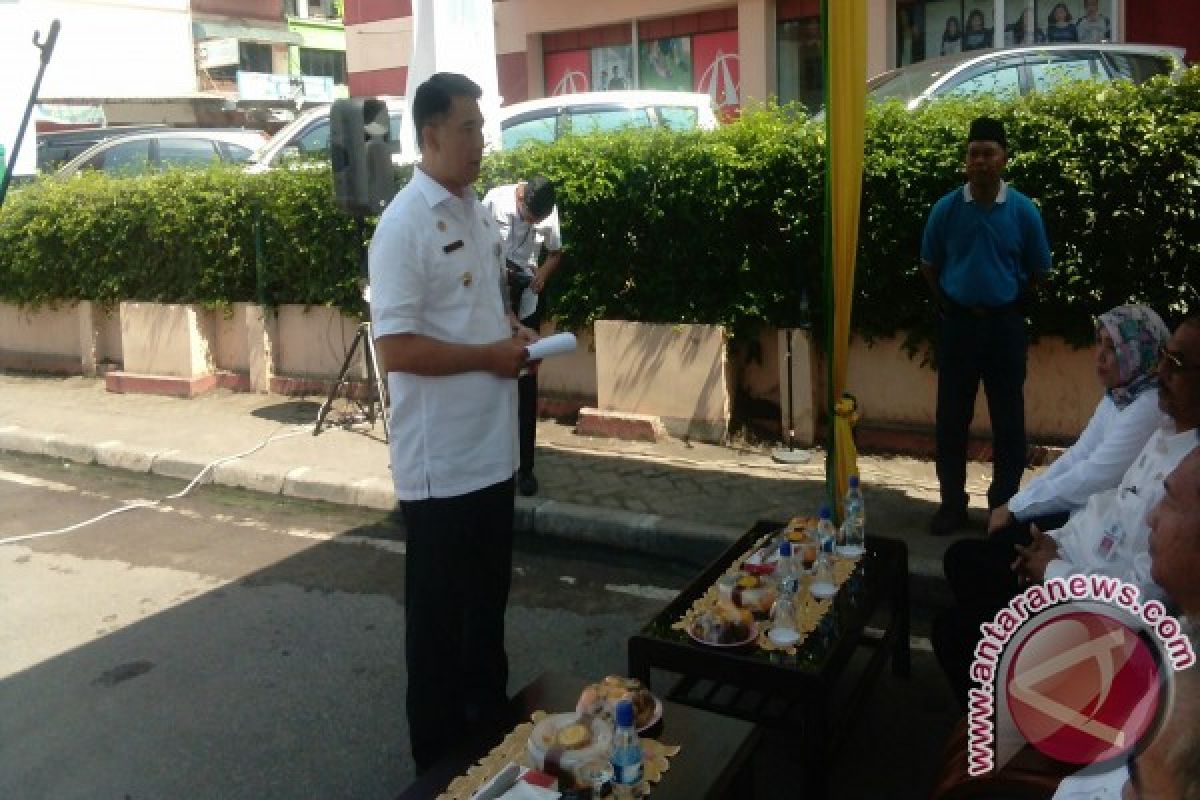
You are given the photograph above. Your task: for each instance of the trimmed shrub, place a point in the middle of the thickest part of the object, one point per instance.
(713, 227)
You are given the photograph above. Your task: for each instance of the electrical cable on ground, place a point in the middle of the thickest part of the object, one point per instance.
(153, 503)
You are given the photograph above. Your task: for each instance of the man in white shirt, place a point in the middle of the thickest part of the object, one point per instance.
(528, 222)
(452, 355)
(1110, 534)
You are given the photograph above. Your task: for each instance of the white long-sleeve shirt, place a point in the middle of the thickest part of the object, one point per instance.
(1110, 535)
(1108, 445)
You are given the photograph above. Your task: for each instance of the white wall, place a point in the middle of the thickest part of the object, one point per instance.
(18, 66)
(131, 48)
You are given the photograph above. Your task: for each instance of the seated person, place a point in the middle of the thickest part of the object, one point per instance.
(1128, 339)
(1109, 535)
(1175, 540)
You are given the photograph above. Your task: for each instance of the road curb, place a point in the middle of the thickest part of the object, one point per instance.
(651, 534)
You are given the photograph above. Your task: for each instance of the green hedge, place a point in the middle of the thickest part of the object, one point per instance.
(720, 227)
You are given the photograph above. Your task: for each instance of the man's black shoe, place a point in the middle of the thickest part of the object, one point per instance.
(947, 520)
(527, 485)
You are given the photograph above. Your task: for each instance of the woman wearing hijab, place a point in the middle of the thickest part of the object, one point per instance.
(979, 572)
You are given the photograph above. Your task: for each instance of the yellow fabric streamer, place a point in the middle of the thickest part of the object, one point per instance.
(846, 57)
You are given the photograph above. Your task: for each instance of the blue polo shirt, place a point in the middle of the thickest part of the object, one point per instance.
(985, 257)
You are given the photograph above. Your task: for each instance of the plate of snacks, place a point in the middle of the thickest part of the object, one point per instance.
(723, 628)
(567, 741)
(600, 699)
(762, 561)
(746, 591)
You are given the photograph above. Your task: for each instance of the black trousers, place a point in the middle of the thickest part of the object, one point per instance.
(527, 393)
(979, 572)
(459, 568)
(972, 348)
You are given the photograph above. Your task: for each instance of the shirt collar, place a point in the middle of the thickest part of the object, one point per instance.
(434, 193)
(1001, 195)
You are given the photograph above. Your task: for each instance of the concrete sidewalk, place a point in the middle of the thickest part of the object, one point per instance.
(673, 498)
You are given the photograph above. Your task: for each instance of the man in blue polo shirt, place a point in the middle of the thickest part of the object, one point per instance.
(983, 250)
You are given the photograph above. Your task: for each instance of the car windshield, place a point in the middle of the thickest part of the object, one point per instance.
(905, 84)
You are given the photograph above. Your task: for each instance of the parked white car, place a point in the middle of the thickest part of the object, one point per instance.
(549, 118)
(1008, 73)
(139, 153)
(306, 138)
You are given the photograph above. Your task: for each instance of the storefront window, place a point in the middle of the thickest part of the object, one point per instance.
(612, 68)
(666, 64)
(801, 71)
(931, 28)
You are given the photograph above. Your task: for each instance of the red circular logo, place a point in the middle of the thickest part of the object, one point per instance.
(1084, 688)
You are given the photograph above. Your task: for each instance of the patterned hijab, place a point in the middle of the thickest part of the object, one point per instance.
(1137, 333)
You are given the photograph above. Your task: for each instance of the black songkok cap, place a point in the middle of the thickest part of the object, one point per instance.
(986, 129)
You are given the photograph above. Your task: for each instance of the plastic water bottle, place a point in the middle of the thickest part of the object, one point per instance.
(854, 526)
(783, 612)
(787, 575)
(826, 535)
(626, 755)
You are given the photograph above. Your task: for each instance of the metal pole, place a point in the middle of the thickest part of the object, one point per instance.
(47, 50)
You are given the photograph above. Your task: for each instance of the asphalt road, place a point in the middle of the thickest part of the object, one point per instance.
(236, 645)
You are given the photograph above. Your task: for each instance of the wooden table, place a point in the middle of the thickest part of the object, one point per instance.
(712, 763)
(812, 694)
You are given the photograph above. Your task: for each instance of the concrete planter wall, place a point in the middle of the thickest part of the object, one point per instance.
(681, 374)
(897, 392)
(678, 373)
(69, 340)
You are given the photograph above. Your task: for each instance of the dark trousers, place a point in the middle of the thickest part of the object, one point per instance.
(459, 567)
(971, 348)
(527, 392)
(979, 572)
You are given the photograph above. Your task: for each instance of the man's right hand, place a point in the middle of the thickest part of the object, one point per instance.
(507, 357)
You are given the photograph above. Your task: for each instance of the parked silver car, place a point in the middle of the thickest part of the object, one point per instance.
(306, 138)
(1013, 71)
(548, 118)
(139, 153)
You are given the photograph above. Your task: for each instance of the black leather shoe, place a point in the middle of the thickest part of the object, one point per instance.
(947, 520)
(527, 485)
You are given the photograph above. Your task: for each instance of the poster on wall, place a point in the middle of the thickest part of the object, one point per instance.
(910, 34)
(666, 64)
(979, 28)
(567, 73)
(715, 56)
(612, 68)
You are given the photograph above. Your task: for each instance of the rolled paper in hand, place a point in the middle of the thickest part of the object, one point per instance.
(555, 345)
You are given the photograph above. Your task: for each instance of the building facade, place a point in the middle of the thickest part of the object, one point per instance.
(743, 50)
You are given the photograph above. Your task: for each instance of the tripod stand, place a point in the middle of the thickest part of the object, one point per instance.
(375, 383)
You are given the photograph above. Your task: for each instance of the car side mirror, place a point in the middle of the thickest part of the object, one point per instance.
(289, 153)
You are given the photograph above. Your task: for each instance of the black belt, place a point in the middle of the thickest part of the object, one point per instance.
(1014, 307)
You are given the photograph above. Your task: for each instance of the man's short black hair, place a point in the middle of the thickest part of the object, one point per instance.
(434, 97)
(539, 196)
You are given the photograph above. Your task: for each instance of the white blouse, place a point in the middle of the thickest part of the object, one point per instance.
(1105, 450)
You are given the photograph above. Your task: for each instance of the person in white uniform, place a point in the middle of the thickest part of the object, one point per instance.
(452, 354)
(528, 220)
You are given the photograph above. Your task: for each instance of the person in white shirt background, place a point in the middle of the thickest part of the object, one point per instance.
(452, 354)
(979, 572)
(527, 217)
